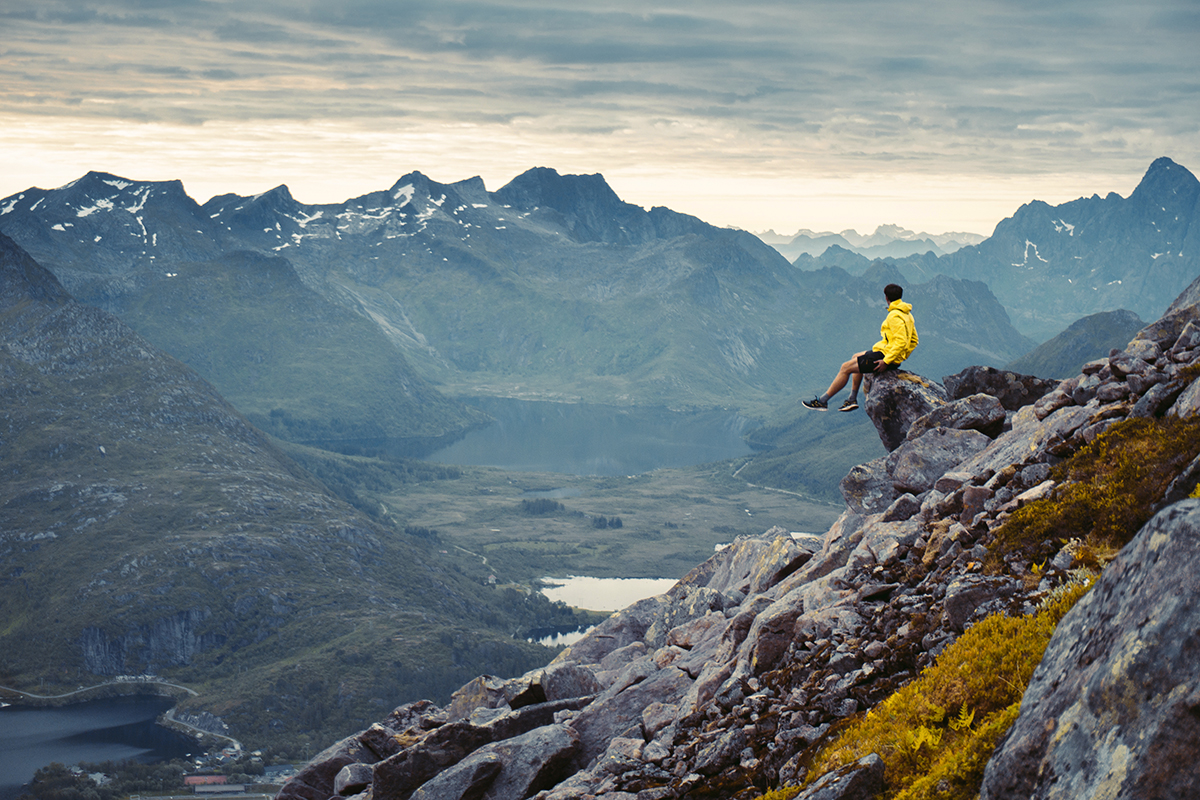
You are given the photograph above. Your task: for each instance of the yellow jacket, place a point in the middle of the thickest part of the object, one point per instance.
(899, 333)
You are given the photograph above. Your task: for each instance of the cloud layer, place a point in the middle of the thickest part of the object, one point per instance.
(819, 90)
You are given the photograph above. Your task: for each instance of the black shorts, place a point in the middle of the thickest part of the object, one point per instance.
(867, 361)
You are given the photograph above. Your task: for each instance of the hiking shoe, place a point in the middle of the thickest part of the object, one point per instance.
(849, 405)
(816, 404)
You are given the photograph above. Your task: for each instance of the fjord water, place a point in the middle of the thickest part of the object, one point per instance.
(114, 729)
(592, 439)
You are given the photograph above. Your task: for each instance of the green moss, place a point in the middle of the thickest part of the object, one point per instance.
(936, 734)
(1106, 491)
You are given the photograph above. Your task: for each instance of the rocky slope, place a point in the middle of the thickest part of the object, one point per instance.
(146, 527)
(727, 684)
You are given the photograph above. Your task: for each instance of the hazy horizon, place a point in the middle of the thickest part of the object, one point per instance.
(826, 116)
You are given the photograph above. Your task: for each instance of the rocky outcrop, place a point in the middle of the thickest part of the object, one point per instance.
(1012, 389)
(897, 399)
(730, 681)
(1111, 710)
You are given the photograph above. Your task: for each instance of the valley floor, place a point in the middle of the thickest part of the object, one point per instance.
(670, 520)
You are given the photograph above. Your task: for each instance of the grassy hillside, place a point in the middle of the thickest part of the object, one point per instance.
(147, 528)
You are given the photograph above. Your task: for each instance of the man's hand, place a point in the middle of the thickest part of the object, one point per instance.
(880, 365)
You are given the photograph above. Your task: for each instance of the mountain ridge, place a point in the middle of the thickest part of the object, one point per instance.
(549, 288)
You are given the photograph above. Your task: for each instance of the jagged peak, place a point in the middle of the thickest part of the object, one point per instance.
(1165, 179)
(108, 182)
(544, 186)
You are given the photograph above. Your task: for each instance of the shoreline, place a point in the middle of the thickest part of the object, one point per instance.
(16, 698)
(100, 691)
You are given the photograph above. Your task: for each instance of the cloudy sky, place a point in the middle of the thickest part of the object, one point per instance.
(936, 115)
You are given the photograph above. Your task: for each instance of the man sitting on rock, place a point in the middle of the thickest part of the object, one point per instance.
(899, 334)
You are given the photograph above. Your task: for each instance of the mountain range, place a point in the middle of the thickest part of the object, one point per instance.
(1051, 265)
(351, 323)
(887, 241)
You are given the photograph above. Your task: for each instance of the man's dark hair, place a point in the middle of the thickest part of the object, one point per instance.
(893, 292)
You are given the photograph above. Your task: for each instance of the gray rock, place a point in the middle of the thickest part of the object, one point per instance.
(1125, 364)
(951, 481)
(1188, 402)
(1028, 436)
(619, 658)
(967, 593)
(486, 691)
(868, 488)
(352, 779)
(1110, 711)
(975, 500)
(979, 412)
(862, 780)
(623, 628)
(1055, 400)
(380, 740)
(1012, 389)
(1112, 392)
(467, 780)
(619, 714)
(684, 604)
(1086, 389)
(839, 541)
(1035, 474)
(1189, 338)
(897, 399)
(532, 762)
(904, 507)
(1165, 331)
(1144, 349)
(917, 464)
(1158, 399)
(316, 781)
(751, 564)
(399, 776)
(721, 753)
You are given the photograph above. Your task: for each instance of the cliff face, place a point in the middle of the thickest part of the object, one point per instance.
(727, 684)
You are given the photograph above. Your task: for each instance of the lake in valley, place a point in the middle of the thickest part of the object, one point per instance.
(112, 729)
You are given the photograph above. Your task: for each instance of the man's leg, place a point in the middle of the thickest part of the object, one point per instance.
(845, 372)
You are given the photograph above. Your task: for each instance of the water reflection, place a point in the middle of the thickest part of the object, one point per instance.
(604, 594)
(100, 730)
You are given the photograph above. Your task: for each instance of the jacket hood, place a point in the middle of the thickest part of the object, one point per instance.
(900, 305)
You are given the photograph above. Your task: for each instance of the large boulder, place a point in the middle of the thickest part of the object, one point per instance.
(867, 488)
(1111, 709)
(977, 412)
(917, 464)
(751, 564)
(318, 779)
(862, 780)
(1012, 389)
(897, 399)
